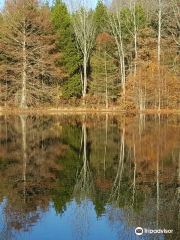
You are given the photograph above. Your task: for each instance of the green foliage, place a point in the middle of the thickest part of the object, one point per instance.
(141, 18)
(100, 203)
(72, 86)
(127, 19)
(100, 17)
(98, 83)
(104, 70)
(60, 17)
(71, 58)
(125, 199)
(70, 164)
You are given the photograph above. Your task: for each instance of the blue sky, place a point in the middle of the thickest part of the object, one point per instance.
(93, 1)
(1, 3)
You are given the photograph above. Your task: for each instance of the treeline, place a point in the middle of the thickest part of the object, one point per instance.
(123, 53)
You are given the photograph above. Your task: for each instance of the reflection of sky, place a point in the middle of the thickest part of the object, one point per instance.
(78, 222)
(54, 226)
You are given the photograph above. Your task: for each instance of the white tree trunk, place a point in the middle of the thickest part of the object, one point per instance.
(115, 193)
(115, 23)
(84, 28)
(85, 76)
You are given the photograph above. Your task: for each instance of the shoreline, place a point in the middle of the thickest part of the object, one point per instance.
(85, 110)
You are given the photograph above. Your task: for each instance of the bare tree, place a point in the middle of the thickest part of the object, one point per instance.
(115, 22)
(26, 43)
(84, 187)
(84, 28)
(116, 189)
(174, 20)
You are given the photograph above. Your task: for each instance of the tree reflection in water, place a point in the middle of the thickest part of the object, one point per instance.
(27, 178)
(126, 168)
(83, 192)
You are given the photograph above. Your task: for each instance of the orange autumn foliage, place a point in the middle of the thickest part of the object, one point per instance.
(151, 84)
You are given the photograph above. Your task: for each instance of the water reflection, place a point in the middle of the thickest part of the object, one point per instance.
(112, 173)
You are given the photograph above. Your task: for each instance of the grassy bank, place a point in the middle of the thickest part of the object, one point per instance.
(4, 110)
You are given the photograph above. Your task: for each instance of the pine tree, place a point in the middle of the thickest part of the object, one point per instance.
(101, 17)
(71, 58)
(104, 71)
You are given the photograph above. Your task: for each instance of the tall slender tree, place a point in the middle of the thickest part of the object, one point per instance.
(104, 70)
(84, 28)
(71, 57)
(115, 22)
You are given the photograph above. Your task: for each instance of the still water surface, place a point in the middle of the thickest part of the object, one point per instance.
(94, 177)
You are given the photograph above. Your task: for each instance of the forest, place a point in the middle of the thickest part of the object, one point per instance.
(118, 54)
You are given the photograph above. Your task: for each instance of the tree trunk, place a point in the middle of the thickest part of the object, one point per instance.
(24, 149)
(24, 75)
(123, 72)
(106, 79)
(105, 149)
(84, 29)
(115, 22)
(115, 193)
(85, 76)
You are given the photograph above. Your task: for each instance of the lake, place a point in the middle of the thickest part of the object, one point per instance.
(89, 177)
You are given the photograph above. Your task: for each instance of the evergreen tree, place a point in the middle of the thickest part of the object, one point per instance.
(71, 162)
(104, 70)
(71, 58)
(100, 17)
(128, 20)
